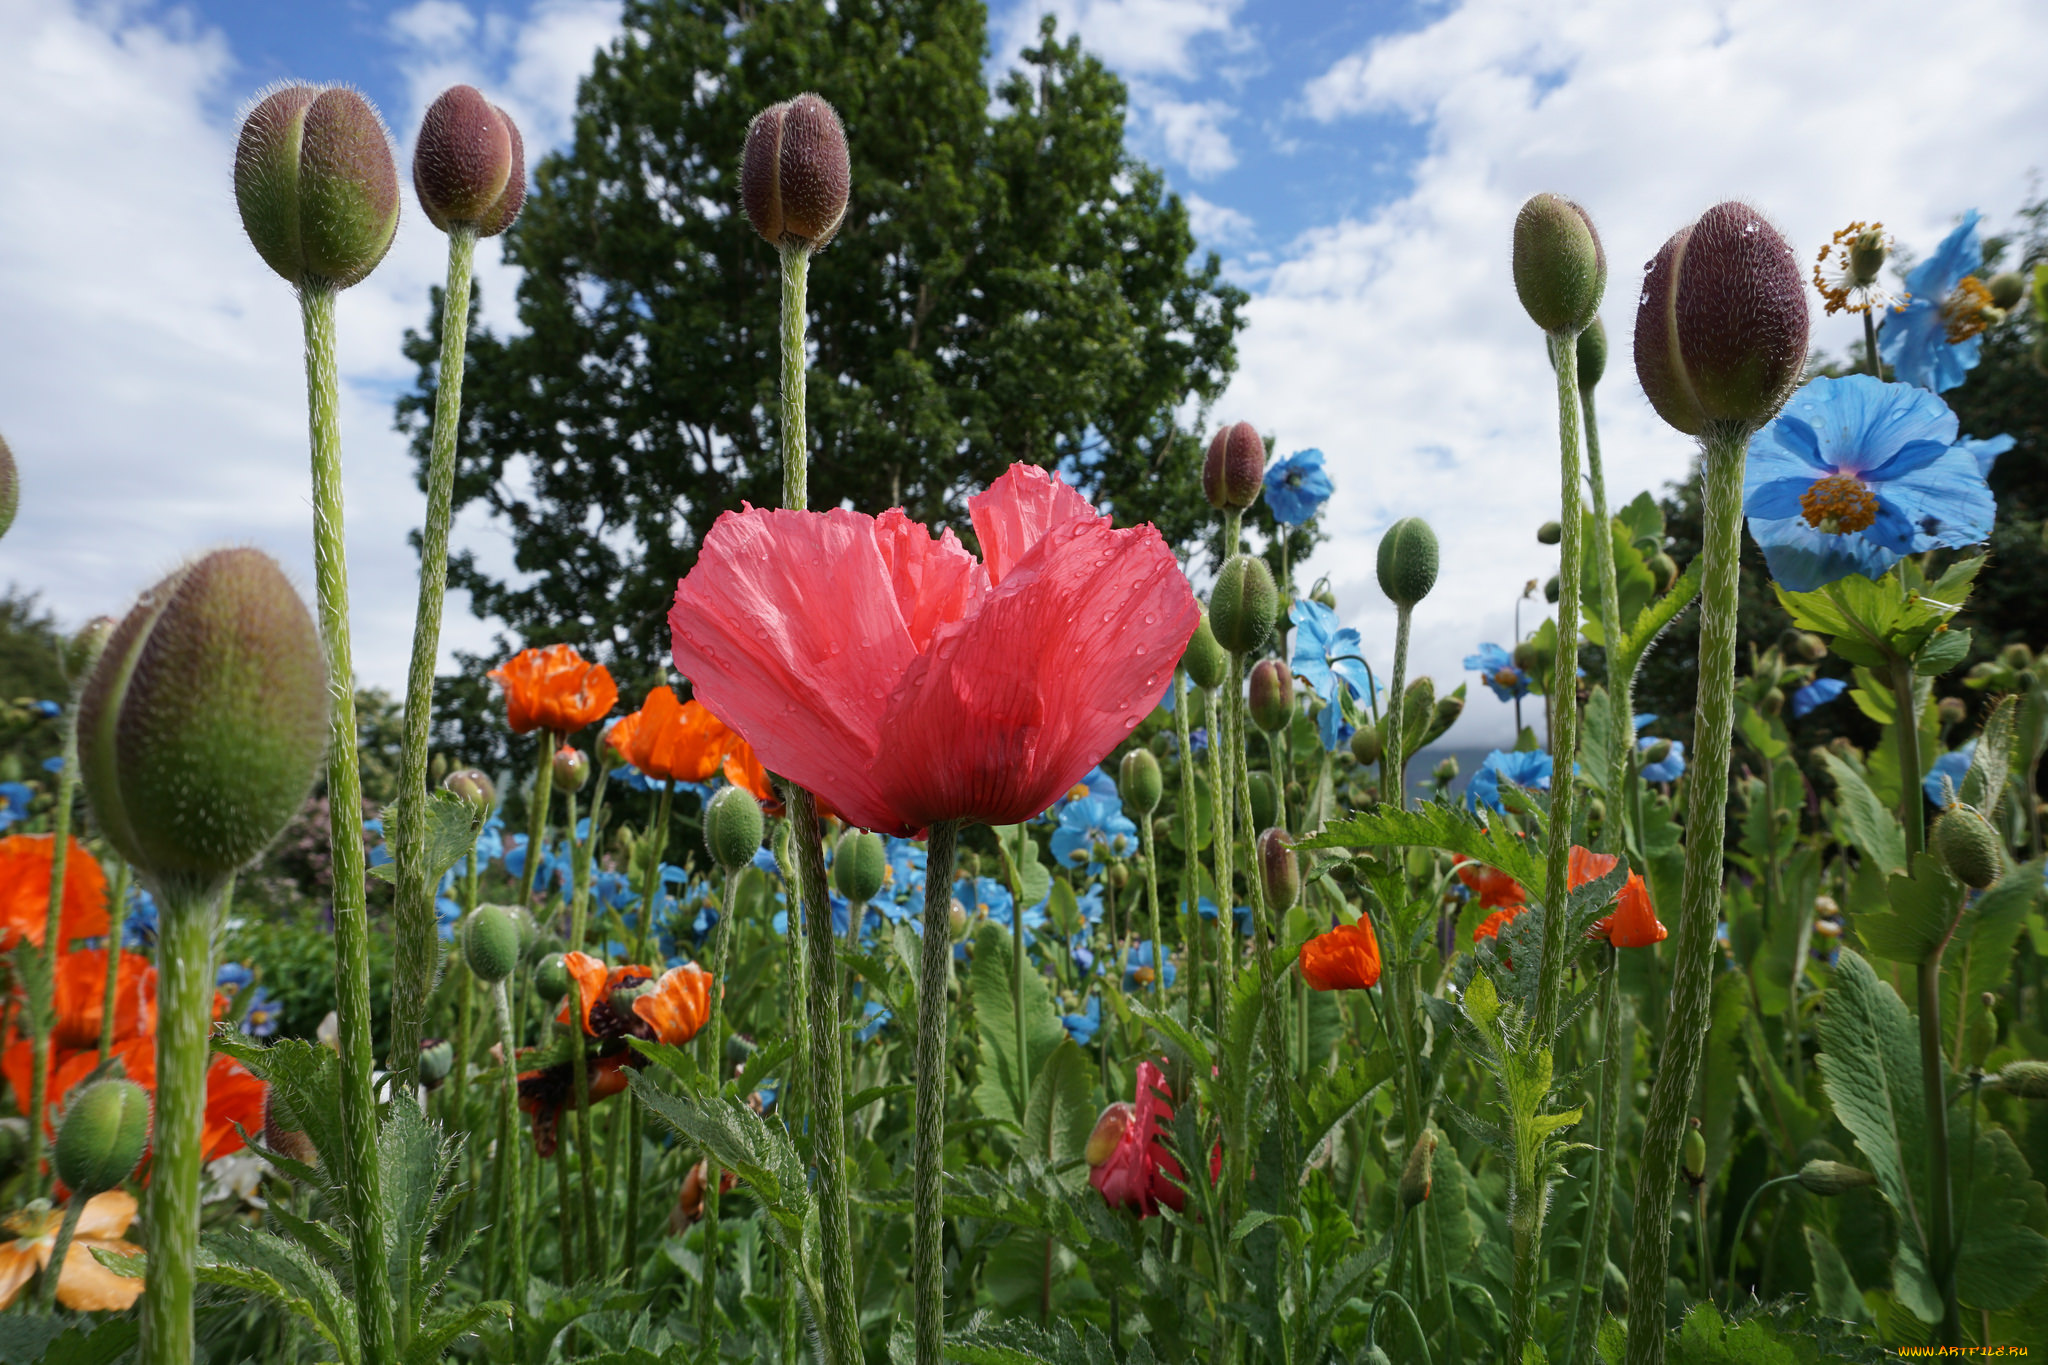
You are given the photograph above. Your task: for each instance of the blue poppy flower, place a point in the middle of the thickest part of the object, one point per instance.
(1952, 765)
(232, 976)
(15, 798)
(1083, 1027)
(1985, 450)
(1856, 474)
(1139, 959)
(1671, 768)
(1198, 740)
(1931, 343)
(490, 841)
(1081, 955)
(446, 913)
(764, 858)
(138, 929)
(1095, 783)
(1297, 487)
(1528, 769)
(1089, 824)
(612, 890)
(1816, 694)
(49, 710)
(1496, 666)
(1091, 904)
(1330, 659)
(875, 1017)
(54, 764)
(261, 1018)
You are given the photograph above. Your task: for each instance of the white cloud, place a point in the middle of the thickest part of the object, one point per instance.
(1192, 132)
(1394, 342)
(150, 381)
(1137, 37)
(1217, 225)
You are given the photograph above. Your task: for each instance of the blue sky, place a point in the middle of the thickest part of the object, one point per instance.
(1358, 165)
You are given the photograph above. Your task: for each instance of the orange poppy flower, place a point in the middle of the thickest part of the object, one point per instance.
(546, 1092)
(554, 689)
(743, 769)
(1634, 923)
(1491, 926)
(1495, 889)
(81, 992)
(671, 741)
(25, 891)
(233, 1095)
(678, 1005)
(1345, 959)
(83, 1285)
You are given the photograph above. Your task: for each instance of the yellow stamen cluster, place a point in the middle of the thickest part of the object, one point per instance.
(1840, 504)
(1846, 270)
(1506, 677)
(1969, 310)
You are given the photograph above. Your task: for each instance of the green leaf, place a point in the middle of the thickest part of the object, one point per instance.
(443, 1327)
(1442, 825)
(2001, 1257)
(1834, 1288)
(452, 828)
(1059, 1116)
(1984, 784)
(1978, 958)
(1863, 820)
(1002, 1087)
(744, 1143)
(1923, 907)
(1870, 1068)
(1651, 622)
(259, 1262)
(1943, 651)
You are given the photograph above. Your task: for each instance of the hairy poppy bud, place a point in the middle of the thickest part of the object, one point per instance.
(103, 1136)
(1204, 658)
(1833, 1177)
(10, 486)
(202, 726)
(1416, 1172)
(1365, 743)
(469, 165)
(1695, 1153)
(1550, 589)
(283, 1134)
(2006, 288)
(1657, 752)
(1560, 268)
(474, 786)
(732, 828)
(490, 943)
(956, 920)
(2016, 656)
(1271, 695)
(860, 864)
(1265, 800)
(1773, 702)
(437, 1059)
(551, 977)
(1549, 533)
(1279, 870)
(1322, 595)
(796, 173)
(1109, 1131)
(1447, 771)
(1592, 355)
(1235, 469)
(2027, 1079)
(1244, 604)
(1140, 783)
(316, 184)
(1663, 571)
(1448, 709)
(83, 649)
(1407, 563)
(1953, 710)
(1967, 846)
(1804, 646)
(1721, 329)
(572, 768)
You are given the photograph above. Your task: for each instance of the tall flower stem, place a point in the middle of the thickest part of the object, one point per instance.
(60, 1251)
(596, 1259)
(796, 271)
(362, 1199)
(1592, 1274)
(1146, 839)
(117, 919)
(1393, 761)
(1564, 689)
(416, 939)
(1191, 921)
(184, 968)
(43, 983)
(1685, 1027)
(509, 1115)
(1620, 688)
(537, 823)
(927, 1235)
(713, 1061)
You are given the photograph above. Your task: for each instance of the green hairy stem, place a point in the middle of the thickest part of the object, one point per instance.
(117, 918)
(362, 1198)
(184, 965)
(60, 1250)
(1564, 690)
(508, 1172)
(1685, 1027)
(43, 983)
(416, 939)
(1616, 1031)
(713, 1062)
(927, 1232)
(1621, 687)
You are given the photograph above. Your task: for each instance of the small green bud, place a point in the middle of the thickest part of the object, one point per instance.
(1657, 752)
(10, 486)
(733, 828)
(1140, 783)
(202, 726)
(1265, 800)
(1416, 1172)
(1205, 659)
(1407, 561)
(1279, 870)
(796, 173)
(2027, 1079)
(1550, 589)
(860, 864)
(1952, 710)
(104, 1134)
(1271, 700)
(1773, 702)
(1560, 267)
(1550, 533)
(1803, 646)
(1119, 876)
(1592, 355)
(551, 978)
(437, 1059)
(2007, 288)
(1448, 709)
(2016, 656)
(1833, 1177)
(1446, 771)
(1532, 658)
(1867, 256)
(1695, 1152)
(490, 943)
(316, 184)
(469, 165)
(1968, 846)
(572, 768)
(1235, 469)
(475, 788)
(1244, 604)
(1721, 331)
(1365, 743)
(1323, 595)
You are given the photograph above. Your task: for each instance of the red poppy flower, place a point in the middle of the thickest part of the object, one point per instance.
(671, 741)
(906, 682)
(1491, 926)
(554, 689)
(1131, 1167)
(1634, 922)
(1345, 959)
(1495, 889)
(25, 891)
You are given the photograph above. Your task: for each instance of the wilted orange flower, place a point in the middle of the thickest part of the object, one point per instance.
(672, 741)
(1345, 959)
(1634, 922)
(25, 891)
(678, 1005)
(554, 689)
(1495, 889)
(83, 1285)
(546, 1092)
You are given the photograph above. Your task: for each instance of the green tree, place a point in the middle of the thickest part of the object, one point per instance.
(1010, 284)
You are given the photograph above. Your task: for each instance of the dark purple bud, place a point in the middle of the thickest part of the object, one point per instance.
(1272, 695)
(469, 165)
(796, 173)
(1235, 469)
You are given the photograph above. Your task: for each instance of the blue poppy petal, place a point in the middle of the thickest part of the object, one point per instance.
(1778, 498)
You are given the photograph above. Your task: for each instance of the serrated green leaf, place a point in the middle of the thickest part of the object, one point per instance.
(1437, 824)
(745, 1144)
(1009, 1063)
(1984, 784)
(1863, 820)
(1059, 1116)
(1923, 907)
(443, 1327)
(2001, 1257)
(1943, 651)
(452, 827)
(1651, 622)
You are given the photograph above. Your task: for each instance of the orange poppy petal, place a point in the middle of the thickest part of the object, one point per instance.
(1584, 866)
(679, 1004)
(25, 891)
(589, 976)
(106, 1216)
(18, 1265)
(234, 1097)
(1491, 926)
(86, 1286)
(1345, 959)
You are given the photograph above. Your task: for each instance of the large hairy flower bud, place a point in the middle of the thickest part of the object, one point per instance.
(1272, 695)
(469, 165)
(796, 173)
(1560, 267)
(1279, 870)
(10, 487)
(1205, 659)
(103, 1136)
(1833, 1177)
(490, 943)
(1244, 604)
(1139, 782)
(316, 184)
(860, 864)
(1235, 469)
(1721, 329)
(203, 724)
(732, 828)
(1408, 561)
(1592, 355)
(1968, 846)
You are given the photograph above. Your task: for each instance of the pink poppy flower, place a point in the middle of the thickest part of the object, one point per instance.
(1131, 1167)
(906, 682)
